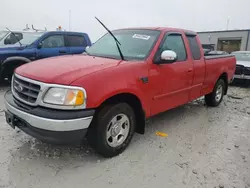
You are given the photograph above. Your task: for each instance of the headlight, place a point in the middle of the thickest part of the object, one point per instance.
(64, 96)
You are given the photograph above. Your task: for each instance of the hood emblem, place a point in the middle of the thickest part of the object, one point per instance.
(19, 88)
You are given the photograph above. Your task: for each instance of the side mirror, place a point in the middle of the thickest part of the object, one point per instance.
(168, 56)
(86, 49)
(40, 44)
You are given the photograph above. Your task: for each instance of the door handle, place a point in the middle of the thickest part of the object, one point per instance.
(190, 70)
(62, 51)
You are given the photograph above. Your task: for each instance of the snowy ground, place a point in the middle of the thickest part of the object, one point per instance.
(205, 147)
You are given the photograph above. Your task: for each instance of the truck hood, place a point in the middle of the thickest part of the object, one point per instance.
(244, 63)
(64, 70)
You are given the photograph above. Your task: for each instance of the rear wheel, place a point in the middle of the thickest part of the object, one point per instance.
(112, 129)
(215, 98)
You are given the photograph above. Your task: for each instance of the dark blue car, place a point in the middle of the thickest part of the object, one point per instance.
(22, 47)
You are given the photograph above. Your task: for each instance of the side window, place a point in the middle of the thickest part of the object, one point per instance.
(175, 43)
(76, 41)
(194, 46)
(53, 41)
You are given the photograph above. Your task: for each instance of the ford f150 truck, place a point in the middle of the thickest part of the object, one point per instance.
(20, 47)
(128, 75)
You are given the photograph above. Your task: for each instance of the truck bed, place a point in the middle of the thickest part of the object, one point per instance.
(215, 64)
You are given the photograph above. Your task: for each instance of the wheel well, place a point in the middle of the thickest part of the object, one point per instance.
(224, 77)
(9, 67)
(135, 103)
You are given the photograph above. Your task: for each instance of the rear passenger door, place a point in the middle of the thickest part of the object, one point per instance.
(52, 45)
(199, 66)
(75, 43)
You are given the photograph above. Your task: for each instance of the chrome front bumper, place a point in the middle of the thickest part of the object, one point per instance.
(48, 127)
(50, 124)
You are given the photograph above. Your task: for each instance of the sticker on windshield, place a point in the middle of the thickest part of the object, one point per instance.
(138, 36)
(140, 55)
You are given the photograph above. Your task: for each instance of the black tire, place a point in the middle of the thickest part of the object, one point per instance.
(97, 133)
(6, 76)
(247, 83)
(212, 99)
(1, 76)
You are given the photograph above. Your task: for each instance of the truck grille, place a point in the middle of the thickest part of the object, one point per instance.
(25, 90)
(239, 69)
(247, 71)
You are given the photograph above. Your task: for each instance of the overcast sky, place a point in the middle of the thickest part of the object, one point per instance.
(198, 15)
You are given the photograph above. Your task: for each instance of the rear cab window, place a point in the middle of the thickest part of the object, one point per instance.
(194, 46)
(76, 41)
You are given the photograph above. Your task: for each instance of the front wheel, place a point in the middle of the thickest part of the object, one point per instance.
(112, 129)
(214, 99)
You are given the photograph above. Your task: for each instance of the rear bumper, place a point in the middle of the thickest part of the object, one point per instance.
(42, 125)
(242, 76)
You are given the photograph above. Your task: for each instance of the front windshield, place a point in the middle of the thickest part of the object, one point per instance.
(242, 56)
(3, 34)
(135, 44)
(29, 38)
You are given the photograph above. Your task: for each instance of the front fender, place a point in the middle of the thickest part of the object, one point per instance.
(102, 87)
(15, 58)
(133, 91)
(9, 61)
(97, 96)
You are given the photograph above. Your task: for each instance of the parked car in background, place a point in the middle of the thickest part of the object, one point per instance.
(3, 34)
(13, 37)
(242, 70)
(128, 75)
(205, 50)
(217, 53)
(210, 47)
(20, 47)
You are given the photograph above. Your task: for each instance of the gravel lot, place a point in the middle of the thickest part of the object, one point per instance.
(205, 147)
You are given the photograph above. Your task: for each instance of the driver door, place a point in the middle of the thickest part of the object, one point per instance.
(175, 78)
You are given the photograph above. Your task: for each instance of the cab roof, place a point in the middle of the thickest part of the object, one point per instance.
(164, 29)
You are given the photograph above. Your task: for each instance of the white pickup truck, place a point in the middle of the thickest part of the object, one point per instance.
(242, 70)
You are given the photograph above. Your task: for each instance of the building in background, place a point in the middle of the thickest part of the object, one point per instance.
(228, 40)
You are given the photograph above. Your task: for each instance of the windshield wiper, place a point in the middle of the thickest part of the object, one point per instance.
(14, 36)
(116, 40)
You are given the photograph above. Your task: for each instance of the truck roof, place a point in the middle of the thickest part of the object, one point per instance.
(68, 32)
(162, 29)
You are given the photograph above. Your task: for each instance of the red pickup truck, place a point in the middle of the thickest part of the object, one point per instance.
(107, 93)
